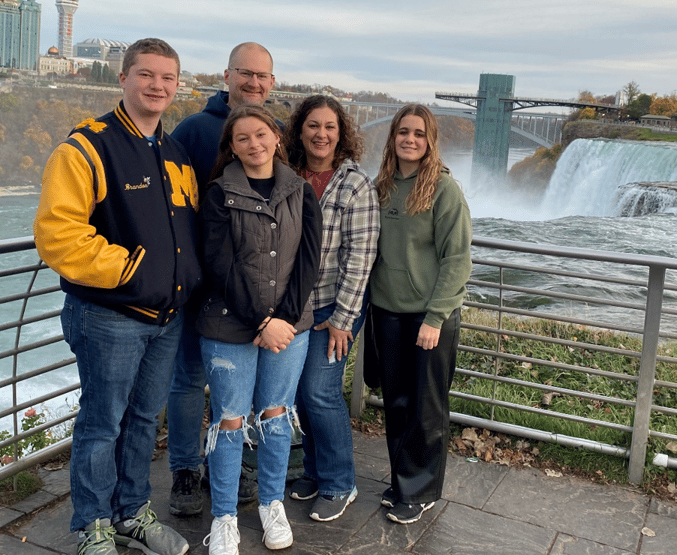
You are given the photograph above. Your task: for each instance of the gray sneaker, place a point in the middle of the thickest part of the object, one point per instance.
(97, 538)
(328, 508)
(144, 532)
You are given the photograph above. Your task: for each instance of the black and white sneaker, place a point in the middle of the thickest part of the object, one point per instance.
(303, 488)
(405, 513)
(328, 508)
(389, 498)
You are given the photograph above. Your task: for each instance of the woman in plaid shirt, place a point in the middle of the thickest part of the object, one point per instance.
(324, 147)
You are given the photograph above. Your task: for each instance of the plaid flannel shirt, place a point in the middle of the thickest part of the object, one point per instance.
(350, 227)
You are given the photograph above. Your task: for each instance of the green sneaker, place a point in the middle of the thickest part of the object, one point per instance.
(97, 538)
(144, 532)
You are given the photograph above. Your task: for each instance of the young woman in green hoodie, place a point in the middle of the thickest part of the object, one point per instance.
(417, 285)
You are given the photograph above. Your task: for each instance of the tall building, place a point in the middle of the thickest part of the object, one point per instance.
(66, 9)
(19, 34)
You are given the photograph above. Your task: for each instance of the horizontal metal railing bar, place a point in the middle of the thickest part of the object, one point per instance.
(37, 372)
(22, 270)
(577, 252)
(669, 385)
(543, 412)
(558, 341)
(30, 295)
(565, 273)
(38, 400)
(39, 457)
(549, 364)
(31, 320)
(546, 316)
(31, 346)
(664, 410)
(662, 435)
(37, 429)
(556, 295)
(16, 244)
(545, 387)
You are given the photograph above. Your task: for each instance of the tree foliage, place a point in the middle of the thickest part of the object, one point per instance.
(640, 106)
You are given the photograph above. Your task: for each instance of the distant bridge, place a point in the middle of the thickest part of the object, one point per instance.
(542, 129)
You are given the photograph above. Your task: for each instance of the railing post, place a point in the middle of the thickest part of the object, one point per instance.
(357, 397)
(647, 373)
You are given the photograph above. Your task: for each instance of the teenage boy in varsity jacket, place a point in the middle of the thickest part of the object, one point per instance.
(116, 220)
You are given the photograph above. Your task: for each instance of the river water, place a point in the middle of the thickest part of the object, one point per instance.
(580, 208)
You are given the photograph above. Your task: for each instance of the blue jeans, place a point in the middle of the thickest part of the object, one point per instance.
(325, 421)
(185, 406)
(125, 369)
(239, 376)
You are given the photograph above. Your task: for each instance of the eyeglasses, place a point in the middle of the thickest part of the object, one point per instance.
(248, 74)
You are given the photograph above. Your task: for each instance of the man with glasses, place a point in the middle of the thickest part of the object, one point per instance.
(250, 78)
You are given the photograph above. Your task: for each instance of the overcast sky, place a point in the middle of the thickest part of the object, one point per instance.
(410, 49)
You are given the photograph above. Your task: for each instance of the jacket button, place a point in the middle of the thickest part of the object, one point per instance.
(272, 283)
(273, 225)
(273, 254)
(231, 201)
(224, 311)
(258, 208)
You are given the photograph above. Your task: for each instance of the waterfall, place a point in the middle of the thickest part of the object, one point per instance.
(592, 177)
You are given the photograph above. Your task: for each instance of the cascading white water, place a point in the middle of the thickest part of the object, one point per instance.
(590, 172)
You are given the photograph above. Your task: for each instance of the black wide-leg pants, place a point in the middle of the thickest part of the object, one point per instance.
(415, 385)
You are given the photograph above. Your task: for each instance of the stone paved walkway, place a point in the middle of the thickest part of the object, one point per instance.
(486, 509)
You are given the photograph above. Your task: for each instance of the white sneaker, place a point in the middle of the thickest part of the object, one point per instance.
(223, 537)
(276, 530)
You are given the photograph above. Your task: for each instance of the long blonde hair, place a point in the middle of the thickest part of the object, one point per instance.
(421, 196)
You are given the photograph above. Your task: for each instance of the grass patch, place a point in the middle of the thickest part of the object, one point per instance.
(27, 483)
(597, 362)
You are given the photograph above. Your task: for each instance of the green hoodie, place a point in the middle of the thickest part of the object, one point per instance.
(423, 261)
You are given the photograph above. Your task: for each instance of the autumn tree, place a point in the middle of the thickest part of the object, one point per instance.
(664, 105)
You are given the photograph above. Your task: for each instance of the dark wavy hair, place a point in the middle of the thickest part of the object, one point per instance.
(225, 155)
(350, 144)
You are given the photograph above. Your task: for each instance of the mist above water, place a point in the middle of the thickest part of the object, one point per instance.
(591, 178)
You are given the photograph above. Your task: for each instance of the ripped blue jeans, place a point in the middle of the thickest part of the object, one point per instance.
(241, 375)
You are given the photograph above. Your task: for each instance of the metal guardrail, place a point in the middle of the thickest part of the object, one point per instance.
(491, 290)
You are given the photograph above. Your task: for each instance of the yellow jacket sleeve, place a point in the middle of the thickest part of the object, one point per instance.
(64, 238)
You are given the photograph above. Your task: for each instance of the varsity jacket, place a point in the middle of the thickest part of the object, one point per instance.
(260, 258)
(117, 218)
(200, 135)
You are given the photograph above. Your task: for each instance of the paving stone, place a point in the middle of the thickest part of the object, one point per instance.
(7, 516)
(10, 545)
(374, 468)
(568, 545)
(34, 502)
(471, 483)
(606, 515)
(461, 530)
(665, 540)
(50, 527)
(663, 508)
(372, 446)
(56, 482)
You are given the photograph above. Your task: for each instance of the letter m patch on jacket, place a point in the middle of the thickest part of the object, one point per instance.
(184, 185)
